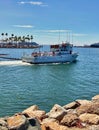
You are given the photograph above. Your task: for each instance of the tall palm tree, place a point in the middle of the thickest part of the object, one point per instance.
(23, 39)
(28, 38)
(12, 35)
(6, 34)
(31, 38)
(2, 36)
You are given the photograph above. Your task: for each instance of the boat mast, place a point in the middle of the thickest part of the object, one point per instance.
(59, 38)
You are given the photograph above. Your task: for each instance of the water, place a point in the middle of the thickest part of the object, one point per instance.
(22, 84)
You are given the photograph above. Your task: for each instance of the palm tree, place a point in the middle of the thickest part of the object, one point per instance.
(23, 39)
(2, 35)
(6, 34)
(12, 35)
(28, 38)
(31, 38)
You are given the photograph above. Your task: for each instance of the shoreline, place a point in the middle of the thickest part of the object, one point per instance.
(77, 115)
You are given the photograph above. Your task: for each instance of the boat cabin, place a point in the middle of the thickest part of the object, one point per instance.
(64, 47)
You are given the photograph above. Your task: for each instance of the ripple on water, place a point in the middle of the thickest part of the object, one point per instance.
(22, 84)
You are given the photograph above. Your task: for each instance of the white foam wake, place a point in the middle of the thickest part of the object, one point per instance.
(13, 63)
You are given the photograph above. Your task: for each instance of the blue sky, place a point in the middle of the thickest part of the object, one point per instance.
(52, 21)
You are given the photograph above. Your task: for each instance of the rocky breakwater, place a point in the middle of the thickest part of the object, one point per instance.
(78, 115)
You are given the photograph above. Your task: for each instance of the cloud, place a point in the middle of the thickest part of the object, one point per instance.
(39, 3)
(23, 26)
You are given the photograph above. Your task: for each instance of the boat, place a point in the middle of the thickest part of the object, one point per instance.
(59, 53)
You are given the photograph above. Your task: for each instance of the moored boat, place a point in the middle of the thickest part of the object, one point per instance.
(60, 53)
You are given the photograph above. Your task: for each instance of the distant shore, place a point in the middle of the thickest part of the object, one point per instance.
(78, 115)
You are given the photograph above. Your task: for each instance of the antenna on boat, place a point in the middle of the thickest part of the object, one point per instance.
(67, 37)
(59, 37)
(72, 37)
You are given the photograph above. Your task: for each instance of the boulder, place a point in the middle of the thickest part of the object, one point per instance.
(37, 113)
(18, 122)
(3, 128)
(57, 126)
(89, 118)
(83, 102)
(48, 120)
(30, 109)
(95, 98)
(3, 122)
(72, 105)
(33, 124)
(57, 112)
(51, 126)
(88, 108)
(94, 127)
(69, 120)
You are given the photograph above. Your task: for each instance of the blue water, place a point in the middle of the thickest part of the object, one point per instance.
(22, 84)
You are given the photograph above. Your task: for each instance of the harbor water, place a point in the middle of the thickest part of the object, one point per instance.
(23, 84)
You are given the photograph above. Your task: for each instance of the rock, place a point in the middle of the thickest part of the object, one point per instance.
(83, 102)
(3, 128)
(48, 120)
(83, 109)
(37, 113)
(57, 126)
(57, 112)
(3, 122)
(33, 124)
(18, 122)
(94, 127)
(96, 99)
(69, 120)
(33, 112)
(72, 128)
(30, 109)
(51, 126)
(89, 118)
(72, 105)
(88, 108)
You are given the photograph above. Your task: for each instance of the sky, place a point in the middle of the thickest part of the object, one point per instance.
(51, 21)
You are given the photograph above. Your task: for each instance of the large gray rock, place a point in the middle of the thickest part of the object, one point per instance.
(57, 112)
(33, 124)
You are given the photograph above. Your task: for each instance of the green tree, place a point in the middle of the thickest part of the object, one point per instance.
(31, 38)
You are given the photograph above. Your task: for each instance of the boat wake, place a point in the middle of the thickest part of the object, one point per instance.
(13, 63)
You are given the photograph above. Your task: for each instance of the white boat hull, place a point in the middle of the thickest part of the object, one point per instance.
(50, 59)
